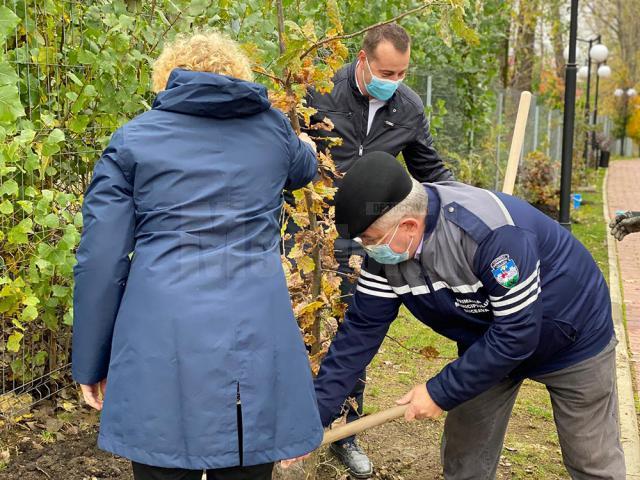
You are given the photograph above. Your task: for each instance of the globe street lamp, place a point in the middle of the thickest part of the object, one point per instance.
(598, 53)
(604, 71)
(583, 72)
(624, 94)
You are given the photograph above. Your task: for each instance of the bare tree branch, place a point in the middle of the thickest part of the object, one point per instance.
(318, 44)
(601, 18)
(261, 71)
(165, 32)
(282, 45)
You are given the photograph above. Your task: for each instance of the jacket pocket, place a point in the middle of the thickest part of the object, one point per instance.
(390, 124)
(555, 337)
(567, 330)
(333, 112)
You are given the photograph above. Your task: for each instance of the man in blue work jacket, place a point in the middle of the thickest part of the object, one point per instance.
(517, 292)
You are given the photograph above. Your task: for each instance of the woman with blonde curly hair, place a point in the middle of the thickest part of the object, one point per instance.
(181, 305)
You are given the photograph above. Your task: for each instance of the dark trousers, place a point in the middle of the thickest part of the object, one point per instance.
(343, 250)
(257, 472)
(585, 411)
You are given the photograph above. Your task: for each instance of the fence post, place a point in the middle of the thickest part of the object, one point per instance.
(559, 142)
(499, 140)
(428, 102)
(549, 118)
(536, 125)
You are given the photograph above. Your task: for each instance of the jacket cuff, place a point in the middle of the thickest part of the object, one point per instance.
(439, 395)
(86, 378)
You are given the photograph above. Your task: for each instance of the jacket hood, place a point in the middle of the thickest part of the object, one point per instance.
(211, 95)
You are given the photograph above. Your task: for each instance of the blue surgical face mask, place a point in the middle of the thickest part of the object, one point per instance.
(384, 254)
(380, 88)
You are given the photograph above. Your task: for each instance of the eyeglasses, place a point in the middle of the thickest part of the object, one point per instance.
(366, 245)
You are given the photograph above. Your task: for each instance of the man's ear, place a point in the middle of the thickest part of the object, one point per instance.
(410, 225)
(361, 56)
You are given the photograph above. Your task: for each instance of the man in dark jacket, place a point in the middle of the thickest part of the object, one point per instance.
(372, 110)
(518, 293)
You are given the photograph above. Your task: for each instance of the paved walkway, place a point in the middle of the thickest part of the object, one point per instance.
(623, 188)
(622, 191)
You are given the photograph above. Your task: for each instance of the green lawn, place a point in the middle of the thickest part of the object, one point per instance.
(588, 224)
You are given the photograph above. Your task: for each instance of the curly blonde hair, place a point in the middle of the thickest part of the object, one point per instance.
(205, 51)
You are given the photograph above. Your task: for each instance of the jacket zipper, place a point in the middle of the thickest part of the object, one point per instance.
(337, 112)
(363, 131)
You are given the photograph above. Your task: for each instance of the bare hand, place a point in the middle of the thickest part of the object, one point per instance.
(91, 393)
(420, 404)
(307, 139)
(624, 224)
(291, 461)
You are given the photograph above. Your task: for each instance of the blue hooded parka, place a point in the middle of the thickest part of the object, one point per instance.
(180, 297)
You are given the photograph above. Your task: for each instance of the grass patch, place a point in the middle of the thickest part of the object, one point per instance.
(589, 226)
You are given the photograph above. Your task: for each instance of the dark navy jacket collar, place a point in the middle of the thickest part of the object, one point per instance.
(431, 220)
(433, 211)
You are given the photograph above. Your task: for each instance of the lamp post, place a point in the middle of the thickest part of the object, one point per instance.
(604, 71)
(568, 121)
(599, 54)
(624, 94)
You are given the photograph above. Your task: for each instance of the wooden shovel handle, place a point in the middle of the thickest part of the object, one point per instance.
(363, 424)
(517, 143)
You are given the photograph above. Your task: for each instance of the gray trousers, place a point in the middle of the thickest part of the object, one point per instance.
(585, 410)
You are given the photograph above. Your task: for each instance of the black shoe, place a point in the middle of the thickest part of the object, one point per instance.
(352, 456)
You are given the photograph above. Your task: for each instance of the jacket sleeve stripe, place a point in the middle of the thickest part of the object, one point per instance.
(503, 313)
(419, 290)
(366, 283)
(371, 276)
(376, 293)
(458, 288)
(402, 290)
(517, 298)
(519, 287)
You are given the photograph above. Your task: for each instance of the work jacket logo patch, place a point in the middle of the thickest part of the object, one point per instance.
(505, 271)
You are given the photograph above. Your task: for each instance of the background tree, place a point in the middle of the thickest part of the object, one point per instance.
(524, 45)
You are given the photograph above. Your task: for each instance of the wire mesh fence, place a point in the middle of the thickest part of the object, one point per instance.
(51, 60)
(35, 367)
